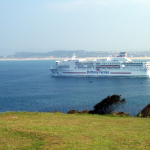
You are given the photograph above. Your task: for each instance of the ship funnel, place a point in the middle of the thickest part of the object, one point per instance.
(122, 54)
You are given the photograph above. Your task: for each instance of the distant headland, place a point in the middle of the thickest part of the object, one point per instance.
(63, 54)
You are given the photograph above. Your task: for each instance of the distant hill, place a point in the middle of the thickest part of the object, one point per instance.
(78, 53)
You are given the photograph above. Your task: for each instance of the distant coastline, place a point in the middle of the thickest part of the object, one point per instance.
(53, 58)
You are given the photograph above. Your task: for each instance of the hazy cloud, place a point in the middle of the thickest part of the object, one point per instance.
(80, 4)
(77, 4)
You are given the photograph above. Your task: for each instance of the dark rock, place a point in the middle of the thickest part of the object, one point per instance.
(77, 112)
(72, 111)
(121, 113)
(85, 112)
(145, 112)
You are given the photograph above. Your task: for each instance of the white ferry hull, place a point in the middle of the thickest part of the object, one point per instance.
(100, 73)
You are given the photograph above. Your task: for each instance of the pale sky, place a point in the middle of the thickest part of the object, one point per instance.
(91, 25)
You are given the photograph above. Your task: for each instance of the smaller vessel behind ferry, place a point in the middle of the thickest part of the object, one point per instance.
(119, 66)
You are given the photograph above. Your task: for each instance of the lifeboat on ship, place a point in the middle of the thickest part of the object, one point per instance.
(109, 66)
(117, 66)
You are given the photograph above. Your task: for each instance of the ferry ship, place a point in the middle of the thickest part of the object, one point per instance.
(118, 66)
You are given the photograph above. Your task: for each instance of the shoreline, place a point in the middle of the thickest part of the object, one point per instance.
(52, 58)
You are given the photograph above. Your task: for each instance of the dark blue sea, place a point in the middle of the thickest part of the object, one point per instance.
(29, 86)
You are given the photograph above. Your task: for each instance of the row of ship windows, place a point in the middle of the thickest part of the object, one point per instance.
(84, 63)
(96, 63)
(106, 67)
(132, 63)
(95, 67)
(109, 64)
(64, 66)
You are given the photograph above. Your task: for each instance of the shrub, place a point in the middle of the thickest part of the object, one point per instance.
(108, 105)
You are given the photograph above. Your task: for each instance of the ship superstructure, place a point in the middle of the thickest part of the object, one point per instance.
(118, 66)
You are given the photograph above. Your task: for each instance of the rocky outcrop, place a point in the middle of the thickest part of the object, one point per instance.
(145, 112)
(78, 112)
(121, 113)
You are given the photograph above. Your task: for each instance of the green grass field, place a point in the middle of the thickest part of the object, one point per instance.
(57, 131)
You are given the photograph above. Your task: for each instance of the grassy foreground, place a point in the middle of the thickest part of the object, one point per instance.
(48, 131)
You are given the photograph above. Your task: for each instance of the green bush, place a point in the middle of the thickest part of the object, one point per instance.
(108, 105)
